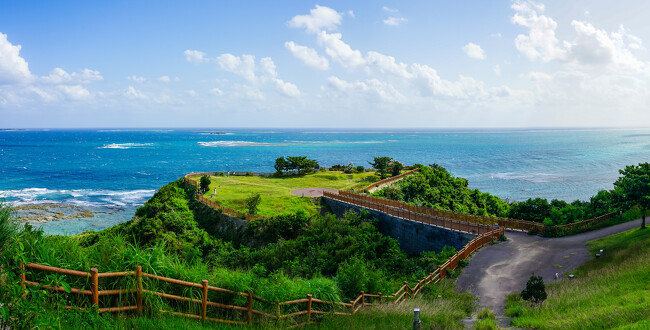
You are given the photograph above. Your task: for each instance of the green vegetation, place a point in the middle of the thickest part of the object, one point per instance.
(440, 305)
(232, 191)
(253, 202)
(434, 186)
(634, 186)
(608, 292)
(204, 183)
(381, 164)
(535, 291)
(297, 164)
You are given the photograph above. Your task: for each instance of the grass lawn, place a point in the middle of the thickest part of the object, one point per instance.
(609, 292)
(232, 191)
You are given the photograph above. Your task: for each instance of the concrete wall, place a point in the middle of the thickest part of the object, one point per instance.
(413, 237)
(218, 224)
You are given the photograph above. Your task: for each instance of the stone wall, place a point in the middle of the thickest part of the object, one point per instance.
(413, 237)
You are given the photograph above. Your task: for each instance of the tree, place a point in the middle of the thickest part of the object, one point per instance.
(395, 167)
(634, 185)
(253, 202)
(381, 165)
(281, 165)
(205, 183)
(535, 290)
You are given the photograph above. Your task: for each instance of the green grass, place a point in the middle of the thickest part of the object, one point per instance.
(232, 191)
(435, 313)
(608, 292)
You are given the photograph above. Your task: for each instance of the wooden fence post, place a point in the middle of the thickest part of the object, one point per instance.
(249, 308)
(23, 278)
(380, 298)
(278, 316)
(204, 305)
(363, 298)
(138, 296)
(94, 286)
(309, 299)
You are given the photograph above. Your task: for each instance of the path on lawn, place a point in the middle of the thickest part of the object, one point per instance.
(498, 270)
(313, 192)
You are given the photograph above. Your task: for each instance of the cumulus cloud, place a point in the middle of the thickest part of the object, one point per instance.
(60, 76)
(13, 68)
(319, 18)
(394, 21)
(307, 55)
(590, 46)
(474, 51)
(260, 73)
(373, 89)
(339, 51)
(195, 56)
(132, 93)
(136, 79)
(165, 79)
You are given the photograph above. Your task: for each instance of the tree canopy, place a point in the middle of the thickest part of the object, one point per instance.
(301, 164)
(634, 185)
(381, 165)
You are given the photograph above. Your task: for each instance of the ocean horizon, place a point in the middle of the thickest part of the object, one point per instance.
(109, 172)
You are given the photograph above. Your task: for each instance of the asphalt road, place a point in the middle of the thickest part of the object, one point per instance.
(498, 270)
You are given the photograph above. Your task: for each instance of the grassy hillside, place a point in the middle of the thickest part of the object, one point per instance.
(609, 292)
(232, 191)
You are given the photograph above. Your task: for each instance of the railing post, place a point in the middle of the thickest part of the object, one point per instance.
(23, 278)
(278, 310)
(94, 285)
(351, 306)
(249, 306)
(309, 298)
(138, 279)
(363, 298)
(204, 305)
(380, 298)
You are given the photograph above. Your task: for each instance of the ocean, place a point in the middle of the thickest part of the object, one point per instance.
(69, 181)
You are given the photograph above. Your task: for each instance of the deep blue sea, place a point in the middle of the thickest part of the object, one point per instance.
(113, 171)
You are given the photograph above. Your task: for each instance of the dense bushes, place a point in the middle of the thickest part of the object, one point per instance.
(434, 186)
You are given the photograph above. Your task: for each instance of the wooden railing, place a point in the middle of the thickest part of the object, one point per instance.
(470, 223)
(387, 180)
(363, 300)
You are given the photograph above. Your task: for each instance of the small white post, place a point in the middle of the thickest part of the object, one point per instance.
(416, 319)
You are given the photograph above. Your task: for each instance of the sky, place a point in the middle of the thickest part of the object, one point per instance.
(330, 64)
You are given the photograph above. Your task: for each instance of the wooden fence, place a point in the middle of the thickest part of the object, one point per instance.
(248, 311)
(387, 180)
(461, 221)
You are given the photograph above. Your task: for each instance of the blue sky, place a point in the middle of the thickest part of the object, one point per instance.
(324, 64)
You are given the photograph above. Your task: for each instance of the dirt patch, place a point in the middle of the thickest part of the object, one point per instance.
(312, 192)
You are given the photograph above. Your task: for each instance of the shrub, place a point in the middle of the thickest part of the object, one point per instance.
(361, 169)
(503, 238)
(535, 291)
(205, 183)
(253, 202)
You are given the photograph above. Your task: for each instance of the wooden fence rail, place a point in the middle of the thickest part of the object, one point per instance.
(363, 300)
(470, 223)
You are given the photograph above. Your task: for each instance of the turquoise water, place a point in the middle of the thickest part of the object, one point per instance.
(114, 171)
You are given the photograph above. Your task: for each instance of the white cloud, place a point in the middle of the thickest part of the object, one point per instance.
(474, 51)
(351, 13)
(133, 93)
(394, 21)
(541, 41)
(319, 18)
(195, 56)
(497, 69)
(165, 79)
(590, 47)
(75, 92)
(307, 55)
(136, 79)
(339, 51)
(216, 91)
(259, 74)
(13, 68)
(59, 76)
(374, 89)
(496, 35)
(390, 10)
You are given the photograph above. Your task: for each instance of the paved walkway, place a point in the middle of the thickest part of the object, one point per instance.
(498, 270)
(312, 192)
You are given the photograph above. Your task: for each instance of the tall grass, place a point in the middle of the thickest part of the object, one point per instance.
(8, 228)
(608, 292)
